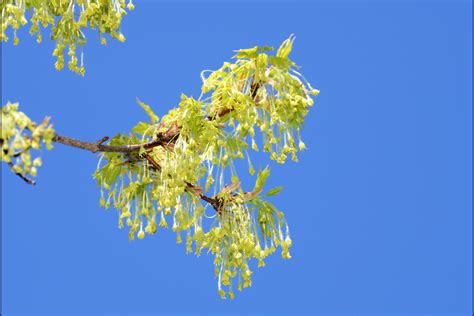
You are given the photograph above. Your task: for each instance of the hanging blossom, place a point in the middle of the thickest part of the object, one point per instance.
(68, 19)
(21, 138)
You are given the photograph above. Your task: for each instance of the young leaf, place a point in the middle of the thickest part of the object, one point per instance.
(251, 52)
(140, 128)
(281, 62)
(149, 111)
(261, 179)
(274, 191)
(286, 46)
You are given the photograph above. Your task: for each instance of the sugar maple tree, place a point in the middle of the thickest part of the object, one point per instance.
(168, 171)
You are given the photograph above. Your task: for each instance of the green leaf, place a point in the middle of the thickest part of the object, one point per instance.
(149, 111)
(111, 174)
(286, 46)
(140, 128)
(281, 62)
(251, 52)
(261, 179)
(274, 191)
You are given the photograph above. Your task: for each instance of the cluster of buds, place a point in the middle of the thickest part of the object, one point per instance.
(19, 137)
(67, 19)
(262, 92)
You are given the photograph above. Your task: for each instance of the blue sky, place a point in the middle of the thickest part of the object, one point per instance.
(379, 206)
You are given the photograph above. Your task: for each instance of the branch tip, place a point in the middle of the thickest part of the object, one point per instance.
(22, 176)
(102, 140)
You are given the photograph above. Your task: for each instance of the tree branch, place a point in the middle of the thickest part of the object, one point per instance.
(162, 139)
(99, 147)
(11, 165)
(22, 176)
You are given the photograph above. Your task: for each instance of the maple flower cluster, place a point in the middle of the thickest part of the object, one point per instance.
(187, 179)
(19, 137)
(258, 101)
(68, 19)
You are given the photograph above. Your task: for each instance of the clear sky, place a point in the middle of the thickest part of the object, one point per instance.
(379, 206)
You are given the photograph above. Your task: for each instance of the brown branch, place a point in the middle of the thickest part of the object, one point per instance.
(22, 176)
(253, 93)
(99, 147)
(152, 161)
(191, 188)
(162, 139)
(215, 202)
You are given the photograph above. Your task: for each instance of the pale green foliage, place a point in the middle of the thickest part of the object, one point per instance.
(67, 19)
(19, 137)
(257, 95)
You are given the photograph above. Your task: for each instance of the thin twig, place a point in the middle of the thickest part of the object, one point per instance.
(23, 177)
(162, 139)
